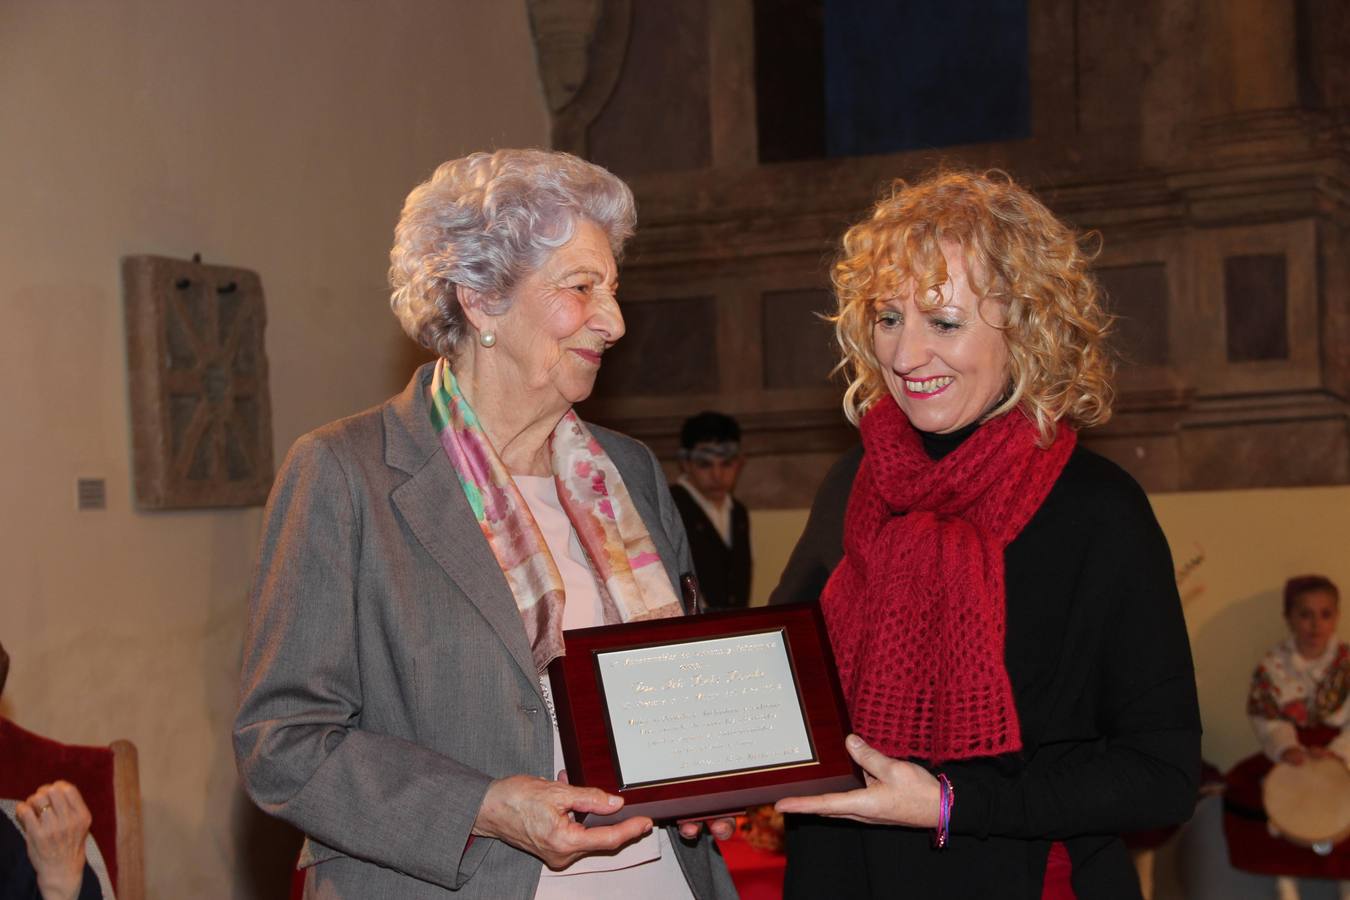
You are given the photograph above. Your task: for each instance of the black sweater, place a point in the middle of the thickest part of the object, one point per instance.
(1100, 665)
(723, 571)
(18, 879)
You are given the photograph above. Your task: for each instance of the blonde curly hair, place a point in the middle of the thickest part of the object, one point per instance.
(1019, 255)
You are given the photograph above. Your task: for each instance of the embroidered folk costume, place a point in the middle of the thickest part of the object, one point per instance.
(1289, 693)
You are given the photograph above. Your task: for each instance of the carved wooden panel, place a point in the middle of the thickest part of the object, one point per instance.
(658, 119)
(1261, 281)
(799, 347)
(1201, 162)
(1146, 283)
(1138, 297)
(1267, 454)
(665, 350)
(201, 414)
(1256, 309)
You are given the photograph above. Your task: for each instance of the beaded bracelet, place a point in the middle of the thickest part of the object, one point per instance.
(946, 800)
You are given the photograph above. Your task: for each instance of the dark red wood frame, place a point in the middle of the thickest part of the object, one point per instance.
(588, 748)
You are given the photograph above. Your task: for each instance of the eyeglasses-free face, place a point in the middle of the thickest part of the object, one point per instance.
(1313, 617)
(712, 474)
(946, 365)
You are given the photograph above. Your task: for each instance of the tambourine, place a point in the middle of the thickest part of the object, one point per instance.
(1309, 804)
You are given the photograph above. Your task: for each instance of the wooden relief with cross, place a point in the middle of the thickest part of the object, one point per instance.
(201, 414)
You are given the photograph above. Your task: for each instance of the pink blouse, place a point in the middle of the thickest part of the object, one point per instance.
(644, 868)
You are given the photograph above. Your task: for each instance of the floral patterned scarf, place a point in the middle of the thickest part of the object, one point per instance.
(632, 582)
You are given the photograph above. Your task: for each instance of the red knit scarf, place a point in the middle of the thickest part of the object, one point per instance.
(916, 610)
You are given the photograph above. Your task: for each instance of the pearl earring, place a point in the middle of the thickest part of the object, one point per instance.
(487, 338)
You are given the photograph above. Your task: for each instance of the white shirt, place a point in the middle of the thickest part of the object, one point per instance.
(718, 513)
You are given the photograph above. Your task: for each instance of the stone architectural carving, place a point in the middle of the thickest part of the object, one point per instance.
(580, 47)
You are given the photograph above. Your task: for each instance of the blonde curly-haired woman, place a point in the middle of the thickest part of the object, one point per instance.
(1000, 601)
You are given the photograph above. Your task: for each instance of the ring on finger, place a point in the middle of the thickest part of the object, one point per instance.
(43, 808)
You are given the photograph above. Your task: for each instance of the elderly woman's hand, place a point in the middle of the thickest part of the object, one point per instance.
(721, 827)
(534, 815)
(55, 823)
(896, 793)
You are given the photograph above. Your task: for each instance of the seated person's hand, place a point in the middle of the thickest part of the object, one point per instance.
(1295, 756)
(55, 824)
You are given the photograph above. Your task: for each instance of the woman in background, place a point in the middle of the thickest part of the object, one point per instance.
(420, 561)
(1000, 601)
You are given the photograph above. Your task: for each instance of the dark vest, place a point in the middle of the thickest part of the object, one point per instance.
(18, 879)
(723, 572)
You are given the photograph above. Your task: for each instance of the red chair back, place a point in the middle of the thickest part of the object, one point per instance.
(31, 761)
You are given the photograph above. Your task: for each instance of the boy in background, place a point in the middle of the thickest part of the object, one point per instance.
(718, 524)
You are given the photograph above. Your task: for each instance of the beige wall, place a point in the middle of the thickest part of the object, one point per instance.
(279, 136)
(1248, 543)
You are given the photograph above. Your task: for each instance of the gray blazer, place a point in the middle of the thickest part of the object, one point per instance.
(387, 679)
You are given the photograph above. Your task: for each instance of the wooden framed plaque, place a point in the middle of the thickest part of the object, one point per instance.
(701, 715)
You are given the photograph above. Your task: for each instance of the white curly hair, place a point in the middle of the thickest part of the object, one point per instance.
(487, 220)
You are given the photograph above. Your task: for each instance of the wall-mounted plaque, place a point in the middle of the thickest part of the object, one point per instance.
(201, 415)
(702, 715)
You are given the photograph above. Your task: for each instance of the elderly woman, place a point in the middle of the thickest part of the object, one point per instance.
(1000, 601)
(420, 561)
